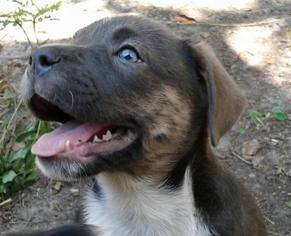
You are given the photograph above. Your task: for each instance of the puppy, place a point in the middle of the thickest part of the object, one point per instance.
(141, 110)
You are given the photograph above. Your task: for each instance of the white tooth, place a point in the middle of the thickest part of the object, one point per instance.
(96, 139)
(107, 136)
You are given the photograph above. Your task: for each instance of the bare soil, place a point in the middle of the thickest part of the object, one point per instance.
(254, 45)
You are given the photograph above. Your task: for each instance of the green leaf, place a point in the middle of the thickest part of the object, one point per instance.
(32, 176)
(280, 115)
(8, 94)
(256, 116)
(20, 154)
(9, 177)
(26, 136)
(242, 130)
(31, 127)
(3, 188)
(288, 204)
(42, 128)
(276, 109)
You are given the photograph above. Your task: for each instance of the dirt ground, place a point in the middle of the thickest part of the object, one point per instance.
(253, 40)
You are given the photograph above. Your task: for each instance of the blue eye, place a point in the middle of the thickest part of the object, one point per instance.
(129, 55)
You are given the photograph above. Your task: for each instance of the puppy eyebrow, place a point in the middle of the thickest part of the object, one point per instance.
(122, 34)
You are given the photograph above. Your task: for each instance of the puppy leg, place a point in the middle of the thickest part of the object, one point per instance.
(66, 230)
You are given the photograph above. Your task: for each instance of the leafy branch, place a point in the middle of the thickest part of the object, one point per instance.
(28, 12)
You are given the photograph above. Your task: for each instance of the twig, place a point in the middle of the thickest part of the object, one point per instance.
(252, 24)
(34, 31)
(9, 123)
(3, 36)
(270, 221)
(3, 113)
(5, 202)
(241, 158)
(28, 221)
(25, 56)
(26, 35)
(38, 130)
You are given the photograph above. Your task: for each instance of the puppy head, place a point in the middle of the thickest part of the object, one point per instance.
(132, 96)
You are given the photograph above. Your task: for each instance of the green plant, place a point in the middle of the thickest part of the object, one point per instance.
(256, 116)
(279, 114)
(17, 168)
(28, 12)
(8, 97)
(242, 130)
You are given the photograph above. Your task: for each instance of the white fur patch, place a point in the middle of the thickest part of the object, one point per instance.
(136, 208)
(57, 171)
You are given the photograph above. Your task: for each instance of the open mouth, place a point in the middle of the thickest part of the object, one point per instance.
(74, 139)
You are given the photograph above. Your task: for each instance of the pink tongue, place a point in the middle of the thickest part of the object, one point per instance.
(73, 133)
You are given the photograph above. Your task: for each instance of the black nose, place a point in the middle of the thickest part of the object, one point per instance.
(42, 59)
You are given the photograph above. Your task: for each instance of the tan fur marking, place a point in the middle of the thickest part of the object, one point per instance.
(173, 120)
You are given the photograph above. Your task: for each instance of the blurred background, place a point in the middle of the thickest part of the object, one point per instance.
(251, 37)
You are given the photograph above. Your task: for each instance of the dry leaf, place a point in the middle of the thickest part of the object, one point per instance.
(250, 147)
(58, 186)
(3, 85)
(205, 35)
(271, 61)
(184, 19)
(16, 146)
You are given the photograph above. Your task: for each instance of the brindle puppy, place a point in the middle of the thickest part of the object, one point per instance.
(141, 109)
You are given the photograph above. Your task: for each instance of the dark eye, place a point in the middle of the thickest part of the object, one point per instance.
(129, 55)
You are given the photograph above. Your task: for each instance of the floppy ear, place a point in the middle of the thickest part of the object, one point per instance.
(225, 100)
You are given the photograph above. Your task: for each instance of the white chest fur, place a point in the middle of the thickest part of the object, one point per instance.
(136, 208)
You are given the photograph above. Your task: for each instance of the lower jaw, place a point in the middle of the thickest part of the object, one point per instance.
(64, 168)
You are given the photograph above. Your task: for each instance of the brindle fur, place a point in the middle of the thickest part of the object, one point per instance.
(178, 99)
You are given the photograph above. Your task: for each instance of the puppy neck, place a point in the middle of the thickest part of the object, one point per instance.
(130, 206)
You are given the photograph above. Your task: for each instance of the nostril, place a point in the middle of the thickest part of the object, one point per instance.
(45, 60)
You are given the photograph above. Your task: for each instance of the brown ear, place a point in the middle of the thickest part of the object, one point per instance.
(225, 100)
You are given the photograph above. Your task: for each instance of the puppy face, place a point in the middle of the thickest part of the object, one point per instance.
(129, 94)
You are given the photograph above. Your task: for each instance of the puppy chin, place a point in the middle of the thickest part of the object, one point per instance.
(64, 171)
